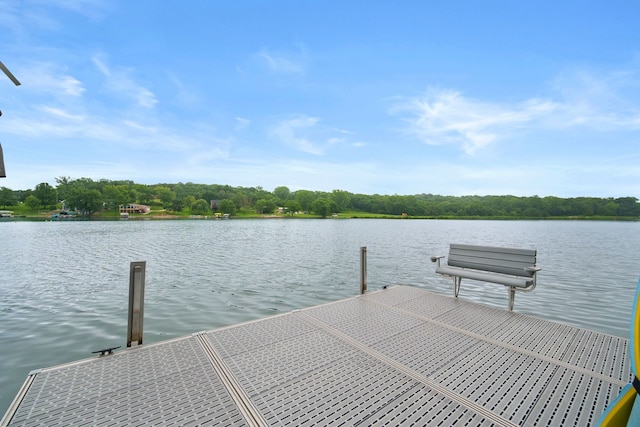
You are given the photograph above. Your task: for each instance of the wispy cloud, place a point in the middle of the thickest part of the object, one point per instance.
(599, 100)
(307, 134)
(206, 156)
(284, 63)
(120, 83)
(294, 132)
(54, 112)
(62, 114)
(447, 117)
(23, 17)
(89, 8)
(242, 123)
(49, 78)
(50, 125)
(580, 99)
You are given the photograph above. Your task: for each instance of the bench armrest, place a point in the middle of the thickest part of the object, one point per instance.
(533, 270)
(437, 259)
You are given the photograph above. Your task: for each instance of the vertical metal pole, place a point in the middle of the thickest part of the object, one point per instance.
(3, 174)
(136, 302)
(363, 270)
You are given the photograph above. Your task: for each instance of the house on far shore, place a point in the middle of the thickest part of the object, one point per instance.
(133, 208)
(6, 214)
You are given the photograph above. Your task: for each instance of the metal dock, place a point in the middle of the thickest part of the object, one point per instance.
(399, 356)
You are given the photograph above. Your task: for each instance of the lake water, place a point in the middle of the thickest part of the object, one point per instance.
(64, 285)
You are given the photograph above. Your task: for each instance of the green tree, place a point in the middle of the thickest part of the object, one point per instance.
(291, 207)
(7, 197)
(166, 196)
(63, 186)
(117, 195)
(227, 206)
(361, 202)
(47, 195)
(323, 207)
(610, 209)
(628, 206)
(282, 194)
(177, 205)
(305, 198)
(265, 206)
(189, 201)
(145, 193)
(84, 200)
(342, 200)
(200, 207)
(378, 204)
(32, 202)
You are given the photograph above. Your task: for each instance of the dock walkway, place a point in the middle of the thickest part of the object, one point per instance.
(399, 356)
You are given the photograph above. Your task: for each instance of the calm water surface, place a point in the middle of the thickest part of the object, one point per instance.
(64, 285)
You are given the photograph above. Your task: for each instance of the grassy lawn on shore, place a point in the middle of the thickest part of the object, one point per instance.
(22, 211)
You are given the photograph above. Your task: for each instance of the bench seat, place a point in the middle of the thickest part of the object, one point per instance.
(511, 267)
(519, 282)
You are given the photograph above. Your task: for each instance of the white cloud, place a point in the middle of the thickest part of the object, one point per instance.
(50, 124)
(119, 83)
(447, 117)
(306, 134)
(242, 123)
(283, 63)
(583, 100)
(71, 86)
(600, 101)
(101, 66)
(62, 114)
(205, 156)
(22, 17)
(293, 132)
(90, 8)
(55, 122)
(185, 95)
(47, 77)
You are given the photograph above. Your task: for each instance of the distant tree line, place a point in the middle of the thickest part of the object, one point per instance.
(88, 196)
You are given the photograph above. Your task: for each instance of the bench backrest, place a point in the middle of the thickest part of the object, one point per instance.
(488, 258)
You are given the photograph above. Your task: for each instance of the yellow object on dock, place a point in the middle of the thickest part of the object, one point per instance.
(624, 411)
(399, 356)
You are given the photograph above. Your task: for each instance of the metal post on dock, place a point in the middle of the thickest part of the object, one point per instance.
(136, 303)
(363, 270)
(3, 174)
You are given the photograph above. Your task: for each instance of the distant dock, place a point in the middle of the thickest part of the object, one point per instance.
(398, 356)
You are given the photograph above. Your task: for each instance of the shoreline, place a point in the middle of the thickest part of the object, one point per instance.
(165, 217)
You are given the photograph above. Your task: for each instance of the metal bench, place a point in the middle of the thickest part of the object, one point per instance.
(514, 268)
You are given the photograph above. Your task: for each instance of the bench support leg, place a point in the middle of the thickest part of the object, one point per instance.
(456, 285)
(512, 296)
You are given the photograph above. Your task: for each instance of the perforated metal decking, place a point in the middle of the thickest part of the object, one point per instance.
(401, 356)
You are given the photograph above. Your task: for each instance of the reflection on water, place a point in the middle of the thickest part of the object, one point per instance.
(65, 284)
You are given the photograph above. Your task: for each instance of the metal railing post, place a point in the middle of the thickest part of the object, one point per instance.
(363, 270)
(3, 174)
(136, 303)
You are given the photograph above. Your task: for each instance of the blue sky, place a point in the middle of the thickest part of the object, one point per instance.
(443, 97)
